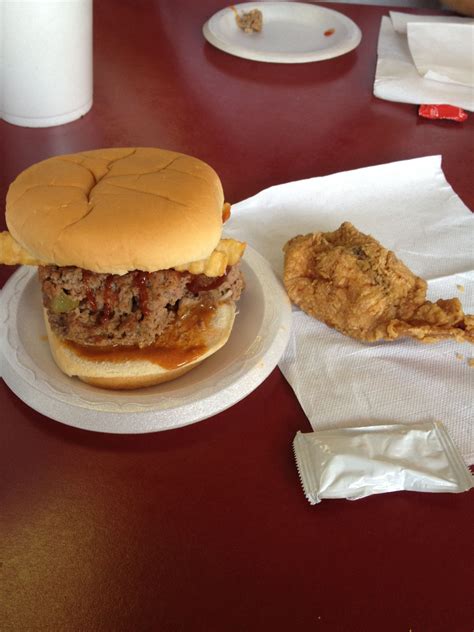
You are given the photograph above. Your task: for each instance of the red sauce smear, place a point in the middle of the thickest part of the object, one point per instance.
(329, 32)
(140, 280)
(201, 283)
(110, 299)
(86, 275)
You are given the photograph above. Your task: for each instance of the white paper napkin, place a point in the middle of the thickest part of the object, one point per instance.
(426, 59)
(443, 52)
(410, 208)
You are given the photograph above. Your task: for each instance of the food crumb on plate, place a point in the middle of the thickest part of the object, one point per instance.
(250, 21)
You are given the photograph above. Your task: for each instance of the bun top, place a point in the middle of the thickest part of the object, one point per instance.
(117, 210)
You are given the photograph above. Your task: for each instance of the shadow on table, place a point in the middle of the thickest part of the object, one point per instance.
(274, 74)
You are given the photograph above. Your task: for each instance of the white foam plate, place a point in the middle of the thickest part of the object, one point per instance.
(293, 32)
(259, 337)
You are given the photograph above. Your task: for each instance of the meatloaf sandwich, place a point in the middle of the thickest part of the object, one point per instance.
(138, 286)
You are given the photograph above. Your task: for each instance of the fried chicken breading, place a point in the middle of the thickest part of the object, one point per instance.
(352, 283)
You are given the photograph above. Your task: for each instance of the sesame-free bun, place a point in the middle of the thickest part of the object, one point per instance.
(137, 373)
(117, 210)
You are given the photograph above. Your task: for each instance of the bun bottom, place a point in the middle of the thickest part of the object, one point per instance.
(137, 373)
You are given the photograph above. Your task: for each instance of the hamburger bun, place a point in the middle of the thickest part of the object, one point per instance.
(116, 210)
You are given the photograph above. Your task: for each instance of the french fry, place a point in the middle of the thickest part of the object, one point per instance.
(12, 254)
(226, 253)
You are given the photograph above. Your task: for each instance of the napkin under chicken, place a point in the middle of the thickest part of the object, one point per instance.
(351, 282)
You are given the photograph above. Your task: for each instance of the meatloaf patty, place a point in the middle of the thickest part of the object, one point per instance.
(131, 309)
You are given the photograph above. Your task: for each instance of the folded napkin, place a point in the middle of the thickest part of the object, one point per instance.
(426, 59)
(411, 209)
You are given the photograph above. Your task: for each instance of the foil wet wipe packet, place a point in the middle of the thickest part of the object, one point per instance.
(354, 463)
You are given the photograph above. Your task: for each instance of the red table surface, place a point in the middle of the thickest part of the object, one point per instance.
(206, 527)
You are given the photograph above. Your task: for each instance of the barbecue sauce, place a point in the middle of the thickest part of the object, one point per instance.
(200, 283)
(110, 299)
(86, 275)
(178, 345)
(140, 280)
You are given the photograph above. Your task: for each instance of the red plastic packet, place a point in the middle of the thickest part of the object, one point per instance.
(450, 112)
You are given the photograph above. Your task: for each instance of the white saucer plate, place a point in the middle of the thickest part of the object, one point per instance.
(292, 33)
(260, 334)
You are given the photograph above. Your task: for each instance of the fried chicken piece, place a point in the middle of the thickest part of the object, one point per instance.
(352, 283)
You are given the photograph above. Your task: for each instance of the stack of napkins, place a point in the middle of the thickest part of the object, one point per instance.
(411, 209)
(426, 60)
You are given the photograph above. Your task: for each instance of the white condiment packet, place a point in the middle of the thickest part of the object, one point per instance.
(354, 463)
